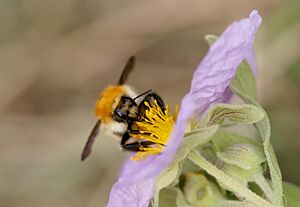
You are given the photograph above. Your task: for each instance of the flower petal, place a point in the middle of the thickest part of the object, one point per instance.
(251, 60)
(218, 67)
(136, 195)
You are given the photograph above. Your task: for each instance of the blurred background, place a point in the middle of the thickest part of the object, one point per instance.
(55, 57)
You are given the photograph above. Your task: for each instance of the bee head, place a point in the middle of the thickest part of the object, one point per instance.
(126, 109)
(110, 99)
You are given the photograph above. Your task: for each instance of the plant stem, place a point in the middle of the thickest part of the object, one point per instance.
(261, 181)
(226, 180)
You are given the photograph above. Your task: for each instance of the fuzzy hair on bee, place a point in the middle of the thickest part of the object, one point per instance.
(108, 103)
(117, 109)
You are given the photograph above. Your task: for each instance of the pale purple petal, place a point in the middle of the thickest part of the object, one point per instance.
(227, 95)
(218, 67)
(136, 195)
(251, 60)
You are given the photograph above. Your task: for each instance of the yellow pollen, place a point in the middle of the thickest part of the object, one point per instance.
(156, 126)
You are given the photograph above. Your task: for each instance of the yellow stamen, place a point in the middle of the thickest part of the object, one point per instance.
(156, 126)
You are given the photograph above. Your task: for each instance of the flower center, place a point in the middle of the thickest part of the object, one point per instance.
(155, 128)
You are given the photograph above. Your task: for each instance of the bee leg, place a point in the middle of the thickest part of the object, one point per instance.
(153, 96)
(125, 138)
(150, 98)
(130, 146)
(132, 131)
(135, 146)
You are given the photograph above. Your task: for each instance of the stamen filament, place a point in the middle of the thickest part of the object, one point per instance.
(156, 127)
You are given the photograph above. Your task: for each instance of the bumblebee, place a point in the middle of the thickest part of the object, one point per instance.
(118, 108)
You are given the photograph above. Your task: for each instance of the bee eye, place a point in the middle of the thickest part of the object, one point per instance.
(119, 113)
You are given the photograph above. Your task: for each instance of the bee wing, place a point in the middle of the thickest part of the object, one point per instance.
(88, 145)
(127, 69)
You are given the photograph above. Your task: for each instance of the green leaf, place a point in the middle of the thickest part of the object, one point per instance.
(230, 203)
(199, 191)
(239, 174)
(244, 81)
(264, 130)
(243, 155)
(180, 200)
(167, 198)
(292, 194)
(165, 179)
(191, 140)
(264, 186)
(238, 150)
(227, 181)
(222, 139)
(246, 113)
(172, 197)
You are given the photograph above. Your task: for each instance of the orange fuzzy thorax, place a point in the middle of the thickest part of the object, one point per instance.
(108, 101)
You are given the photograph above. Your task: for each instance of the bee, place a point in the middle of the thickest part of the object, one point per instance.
(118, 108)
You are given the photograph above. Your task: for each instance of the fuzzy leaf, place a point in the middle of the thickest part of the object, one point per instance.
(172, 197)
(238, 150)
(264, 130)
(231, 203)
(165, 179)
(167, 198)
(199, 191)
(244, 81)
(226, 180)
(254, 175)
(241, 175)
(191, 140)
(222, 139)
(246, 113)
(180, 200)
(243, 155)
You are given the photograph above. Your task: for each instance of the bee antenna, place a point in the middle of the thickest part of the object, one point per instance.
(142, 94)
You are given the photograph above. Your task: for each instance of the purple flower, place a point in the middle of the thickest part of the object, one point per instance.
(136, 183)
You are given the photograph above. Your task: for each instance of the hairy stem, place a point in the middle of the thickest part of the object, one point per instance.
(226, 180)
(261, 181)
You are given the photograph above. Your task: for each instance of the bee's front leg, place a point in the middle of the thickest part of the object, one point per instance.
(125, 138)
(135, 146)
